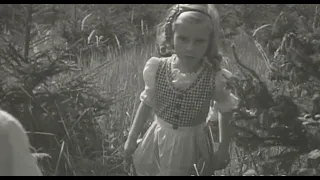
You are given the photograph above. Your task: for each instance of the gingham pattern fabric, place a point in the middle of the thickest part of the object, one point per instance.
(182, 107)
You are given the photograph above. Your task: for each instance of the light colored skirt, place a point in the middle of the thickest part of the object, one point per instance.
(165, 151)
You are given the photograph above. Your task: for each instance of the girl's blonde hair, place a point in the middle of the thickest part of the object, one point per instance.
(166, 28)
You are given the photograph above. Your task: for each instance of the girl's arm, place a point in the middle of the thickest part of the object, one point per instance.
(143, 112)
(146, 98)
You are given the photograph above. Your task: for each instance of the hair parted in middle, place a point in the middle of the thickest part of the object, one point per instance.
(204, 12)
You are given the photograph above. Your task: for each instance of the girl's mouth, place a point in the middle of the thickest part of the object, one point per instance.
(189, 57)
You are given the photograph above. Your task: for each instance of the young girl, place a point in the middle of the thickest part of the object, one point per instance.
(179, 88)
(15, 156)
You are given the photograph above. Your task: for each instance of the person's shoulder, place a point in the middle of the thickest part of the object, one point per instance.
(13, 129)
(6, 117)
(7, 120)
(151, 63)
(155, 60)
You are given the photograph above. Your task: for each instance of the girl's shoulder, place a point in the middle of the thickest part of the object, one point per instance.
(150, 71)
(154, 62)
(157, 60)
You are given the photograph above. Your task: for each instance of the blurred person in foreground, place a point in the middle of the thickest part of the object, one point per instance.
(15, 156)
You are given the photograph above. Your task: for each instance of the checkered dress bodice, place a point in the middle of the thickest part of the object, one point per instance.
(182, 107)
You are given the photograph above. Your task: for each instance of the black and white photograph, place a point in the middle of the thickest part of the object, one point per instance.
(160, 90)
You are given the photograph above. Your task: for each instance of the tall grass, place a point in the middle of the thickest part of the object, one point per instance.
(122, 77)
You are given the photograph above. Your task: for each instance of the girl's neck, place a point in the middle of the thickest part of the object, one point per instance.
(186, 67)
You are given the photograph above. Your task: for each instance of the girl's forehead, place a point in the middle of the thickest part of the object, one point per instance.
(193, 30)
(194, 18)
(187, 25)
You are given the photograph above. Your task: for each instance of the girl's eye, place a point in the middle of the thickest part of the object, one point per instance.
(200, 41)
(182, 38)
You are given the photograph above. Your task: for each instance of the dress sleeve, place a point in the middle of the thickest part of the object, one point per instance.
(149, 77)
(225, 101)
(19, 157)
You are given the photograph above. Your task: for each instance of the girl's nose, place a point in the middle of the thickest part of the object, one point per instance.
(190, 46)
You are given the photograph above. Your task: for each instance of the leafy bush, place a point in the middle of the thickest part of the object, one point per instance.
(61, 110)
(267, 117)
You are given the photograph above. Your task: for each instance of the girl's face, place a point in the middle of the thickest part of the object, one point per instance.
(190, 40)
